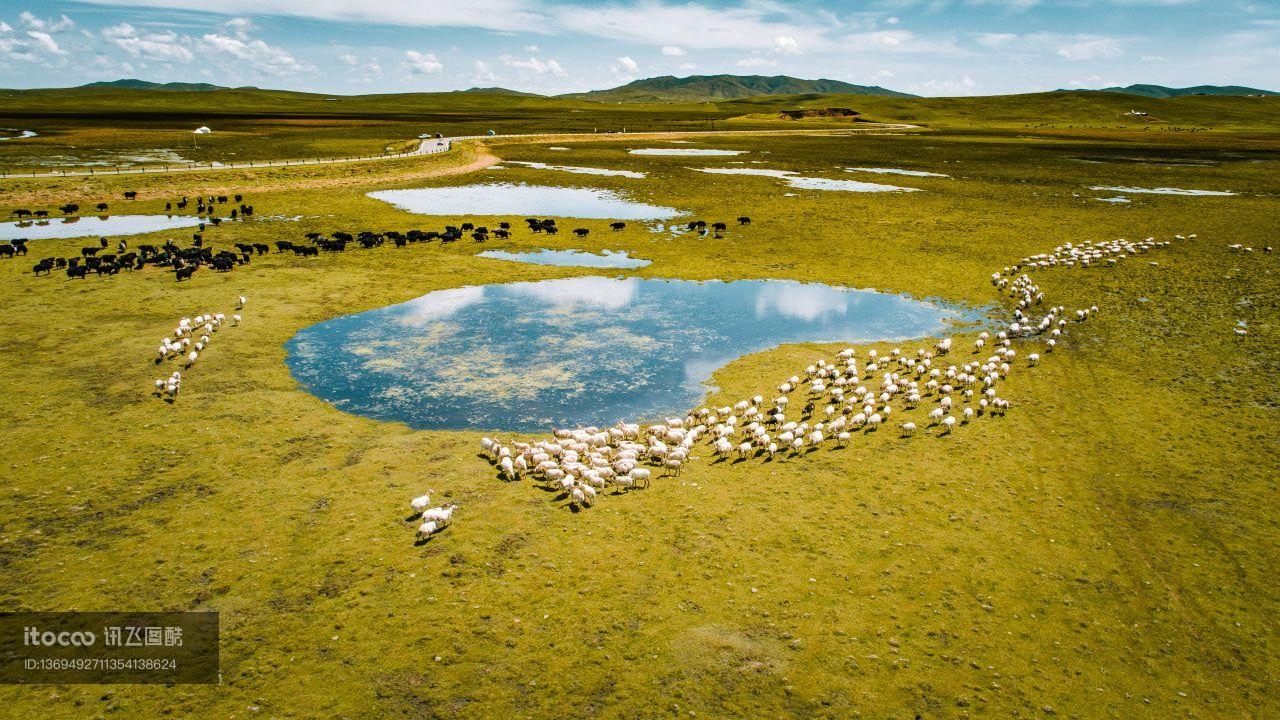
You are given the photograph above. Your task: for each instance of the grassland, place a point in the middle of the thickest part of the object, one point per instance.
(1107, 550)
(135, 127)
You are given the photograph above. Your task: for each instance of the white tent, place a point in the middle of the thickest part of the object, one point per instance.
(202, 130)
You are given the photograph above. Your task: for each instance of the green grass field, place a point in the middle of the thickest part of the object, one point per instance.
(1105, 550)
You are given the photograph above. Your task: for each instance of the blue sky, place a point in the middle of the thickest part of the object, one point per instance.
(927, 47)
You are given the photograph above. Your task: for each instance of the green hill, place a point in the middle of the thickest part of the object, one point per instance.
(500, 91)
(712, 88)
(1160, 91)
(134, 84)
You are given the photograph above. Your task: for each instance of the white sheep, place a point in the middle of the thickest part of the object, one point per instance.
(420, 503)
(441, 515)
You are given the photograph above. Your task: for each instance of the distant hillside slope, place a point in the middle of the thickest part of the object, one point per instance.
(711, 88)
(1160, 91)
(500, 91)
(134, 84)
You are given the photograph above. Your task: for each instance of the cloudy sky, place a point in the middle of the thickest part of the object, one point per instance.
(927, 47)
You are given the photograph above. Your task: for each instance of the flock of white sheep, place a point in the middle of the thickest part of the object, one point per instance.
(181, 345)
(833, 401)
(434, 518)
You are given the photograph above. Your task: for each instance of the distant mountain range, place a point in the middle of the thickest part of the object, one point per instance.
(133, 84)
(710, 88)
(1160, 91)
(714, 88)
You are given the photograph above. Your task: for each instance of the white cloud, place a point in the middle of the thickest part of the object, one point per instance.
(946, 88)
(505, 15)
(31, 22)
(1090, 48)
(532, 48)
(891, 21)
(349, 59)
(995, 40)
(239, 27)
(259, 55)
(1068, 47)
(534, 65)
(672, 50)
(786, 45)
(483, 73)
(628, 64)
(46, 41)
(422, 63)
(161, 47)
(900, 42)
(4, 28)
(756, 61)
(749, 27)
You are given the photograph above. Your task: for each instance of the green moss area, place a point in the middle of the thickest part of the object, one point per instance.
(1107, 549)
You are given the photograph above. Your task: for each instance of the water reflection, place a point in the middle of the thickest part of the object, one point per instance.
(570, 258)
(511, 199)
(578, 170)
(77, 226)
(592, 350)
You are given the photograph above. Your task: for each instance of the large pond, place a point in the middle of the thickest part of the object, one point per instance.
(86, 226)
(512, 199)
(531, 356)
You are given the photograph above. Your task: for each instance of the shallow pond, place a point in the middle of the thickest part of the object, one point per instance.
(895, 171)
(570, 258)
(578, 170)
(684, 151)
(530, 356)
(16, 134)
(511, 199)
(1161, 190)
(809, 183)
(91, 225)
